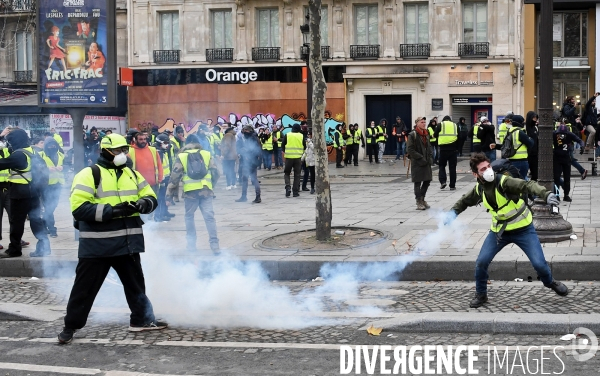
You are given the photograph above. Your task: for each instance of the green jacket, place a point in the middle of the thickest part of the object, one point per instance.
(511, 186)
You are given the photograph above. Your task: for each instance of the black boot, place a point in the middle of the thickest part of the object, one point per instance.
(479, 300)
(288, 191)
(305, 189)
(242, 199)
(312, 191)
(257, 200)
(559, 288)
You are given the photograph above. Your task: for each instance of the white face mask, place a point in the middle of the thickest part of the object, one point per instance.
(2, 145)
(164, 146)
(488, 175)
(120, 159)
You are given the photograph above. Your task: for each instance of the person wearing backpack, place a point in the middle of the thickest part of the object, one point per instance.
(512, 223)
(196, 169)
(106, 202)
(25, 186)
(520, 143)
(54, 160)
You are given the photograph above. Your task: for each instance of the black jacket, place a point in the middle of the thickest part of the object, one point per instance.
(590, 116)
(487, 135)
(250, 151)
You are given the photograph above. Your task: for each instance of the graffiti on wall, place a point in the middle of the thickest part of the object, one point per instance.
(258, 121)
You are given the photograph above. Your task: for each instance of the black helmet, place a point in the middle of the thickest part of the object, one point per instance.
(162, 138)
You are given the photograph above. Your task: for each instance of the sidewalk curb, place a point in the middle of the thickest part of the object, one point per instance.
(449, 268)
(494, 323)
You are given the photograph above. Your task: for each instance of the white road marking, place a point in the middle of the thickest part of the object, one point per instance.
(54, 369)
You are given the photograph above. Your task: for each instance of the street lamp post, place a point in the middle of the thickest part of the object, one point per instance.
(305, 54)
(550, 227)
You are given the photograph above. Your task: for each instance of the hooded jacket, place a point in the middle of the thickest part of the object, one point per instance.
(228, 149)
(51, 149)
(17, 139)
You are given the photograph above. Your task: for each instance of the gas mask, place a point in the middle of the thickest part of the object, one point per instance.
(488, 175)
(120, 159)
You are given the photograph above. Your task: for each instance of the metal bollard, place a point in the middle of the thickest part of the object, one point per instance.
(594, 169)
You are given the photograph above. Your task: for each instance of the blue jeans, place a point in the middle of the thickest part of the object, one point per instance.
(267, 158)
(576, 164)
(400, 149)
(522, 165)
(229, 171)
(492, 155)
(526, 239)
(206, 208)
(278, 157)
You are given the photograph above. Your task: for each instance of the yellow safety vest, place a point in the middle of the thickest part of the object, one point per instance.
(350, 140)
(293, 146)
(4, 174)
(55, 177)
(268, 145)
(381, 130)
(448, 133)
(279, 137)
(357, 136)
(508, 213)
(519, 147)
(154, 159)
(502, 130)
(58, 139)
(22, 176)
(431, 133)
(476, 140)
(165, 164)
(371, 134)
(190, 184)
(335, 145)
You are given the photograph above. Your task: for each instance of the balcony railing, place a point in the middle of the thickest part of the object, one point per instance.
(415, 51)
(265, 53)
(481, 49)
(23, 76)
(364, 52)
(324, 52)
(219, 55)
(17, 6)
(167, 56)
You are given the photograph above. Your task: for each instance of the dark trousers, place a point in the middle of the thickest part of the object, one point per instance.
(373, 150)
(229, 171)
(339, 156)
(50, 201)
(4, 205)
(564, 168)
(295, 164)
(421, 188)
(477, 147)
(89, 276)
(161, 209)
(448, 157)
(533, 165)
(309, 172)
(348, 156)
(461, 143)
(355, 150)
(249, 172)
(21, 208)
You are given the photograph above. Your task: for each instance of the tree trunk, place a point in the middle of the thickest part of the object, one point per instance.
(323, 190)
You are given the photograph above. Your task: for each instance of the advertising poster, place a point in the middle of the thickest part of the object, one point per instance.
(63, 124)
(77, 53)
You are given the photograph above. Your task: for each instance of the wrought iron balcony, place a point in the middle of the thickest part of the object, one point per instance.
(415, 51)
(23, 76)
(364, 52)
(481, 49)
(305, 49)
(167, 56)
(265, 53)
(219, 55)
(8, 6)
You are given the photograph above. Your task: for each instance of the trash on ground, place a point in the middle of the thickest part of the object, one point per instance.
(518, 279)
(33, 278)
(568, 337)
(372, 233)
(573, 237)
(339, 232)
(318, 279)
(374, 331)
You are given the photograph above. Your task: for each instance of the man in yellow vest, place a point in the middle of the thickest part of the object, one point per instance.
(475, 140)
(521, 142)
(24, 201)
(504, 127)
(504, 196)
(446, 134)
(293, 146)
(338, 145)
(165, 152)
(56, 137)
(266, 140)
(349, 140)
(4, 195)
(106, 202)
(357, 140)
(372, 147)
(54, 160)
(381, 138)
(277, 142)
(197, 191)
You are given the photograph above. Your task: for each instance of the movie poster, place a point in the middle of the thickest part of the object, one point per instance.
(76, 49)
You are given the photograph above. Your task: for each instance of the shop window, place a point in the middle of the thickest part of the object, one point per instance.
(569, 34)
(475, 22)
(324, 25)
(222, 29)
(268, 27)
(366, 21)
(416, 23)
(24, 51)
(169, 31)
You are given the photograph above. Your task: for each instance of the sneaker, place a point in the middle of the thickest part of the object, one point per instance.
(24, 243)
(288, 192)
(66, 336)
(39, 254)
(584, 175)
(228, 188)
(156, 325)
(305, 189)
(443, 186)
(312, 191)
(53, 235)
(296, 194)
(7, 254)
(567, 199)
(453, 188)
(234, 186)
(559, 288)
(479, 300)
